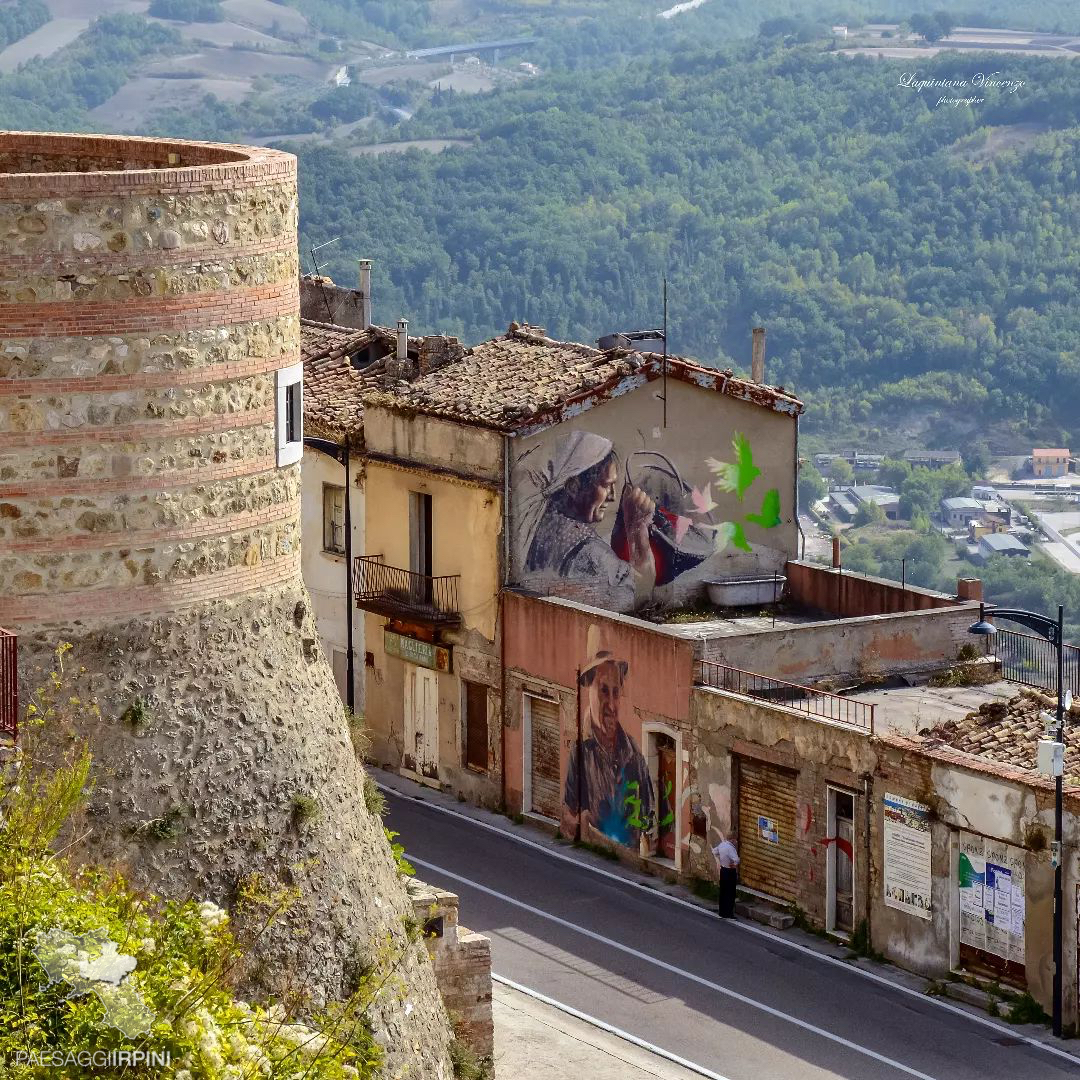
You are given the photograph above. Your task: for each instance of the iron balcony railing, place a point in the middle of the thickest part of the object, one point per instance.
(842, 710)
(9, 685)
(397, 593)
(1032, 661)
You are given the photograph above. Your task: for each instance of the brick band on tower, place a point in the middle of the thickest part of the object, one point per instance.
(148, 297)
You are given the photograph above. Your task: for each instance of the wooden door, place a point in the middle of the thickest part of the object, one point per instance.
(421, 752)
(545, 798)
(842, 851)
(666, 797)
(767, 828)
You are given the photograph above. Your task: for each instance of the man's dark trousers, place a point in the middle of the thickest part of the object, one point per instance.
(729, 879)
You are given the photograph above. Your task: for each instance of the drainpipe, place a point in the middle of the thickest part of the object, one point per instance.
(869, 811)
(502, 612)
(350, 689)
(580, 754)
(798, 520)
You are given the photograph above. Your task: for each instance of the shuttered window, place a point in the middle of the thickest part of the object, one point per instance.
(476, 726)
(767, 828)
(544, 757)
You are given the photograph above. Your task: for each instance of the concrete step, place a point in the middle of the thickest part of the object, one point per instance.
(765, 914)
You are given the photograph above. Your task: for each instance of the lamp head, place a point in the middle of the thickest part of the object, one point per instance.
(983, 628)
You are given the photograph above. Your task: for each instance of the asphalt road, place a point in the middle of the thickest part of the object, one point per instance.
(741, 1005)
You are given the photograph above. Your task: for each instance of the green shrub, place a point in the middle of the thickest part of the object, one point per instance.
(1026, 1010)
(304, 809)
(404, 867)
(176, 962)
(374, 799)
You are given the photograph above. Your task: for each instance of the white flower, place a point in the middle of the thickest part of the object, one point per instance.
(211, 915)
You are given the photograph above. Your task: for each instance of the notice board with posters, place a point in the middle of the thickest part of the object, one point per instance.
(991, 884)
(908, 877)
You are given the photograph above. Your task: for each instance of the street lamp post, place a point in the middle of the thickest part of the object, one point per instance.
(1054, 633)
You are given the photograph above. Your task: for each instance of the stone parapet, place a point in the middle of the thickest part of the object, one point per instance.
(462, 962)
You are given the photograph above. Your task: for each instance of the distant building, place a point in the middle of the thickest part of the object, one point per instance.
(958, 512)
(843, 505)
(875, 494)
(1001, 544)
(1050, 462)
(932, 459)
(840, 31)
(341, 77)
(855, 458)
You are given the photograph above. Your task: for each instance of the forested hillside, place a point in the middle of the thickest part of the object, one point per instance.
(890, 249)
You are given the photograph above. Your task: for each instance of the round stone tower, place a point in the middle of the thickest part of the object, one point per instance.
(150, 453)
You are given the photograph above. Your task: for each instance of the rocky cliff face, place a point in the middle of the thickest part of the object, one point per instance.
(219, 724)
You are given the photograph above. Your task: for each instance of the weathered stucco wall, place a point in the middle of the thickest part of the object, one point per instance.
(324, 571)
(473, 451)
(466, 540)
(847, 596)
(720, 510)
(861, 648)
(144, 314)
(997, 802)
(728, 728)
(557, 649)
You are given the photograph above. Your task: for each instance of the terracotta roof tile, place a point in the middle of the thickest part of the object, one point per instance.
(333, 388)
(525, 378)
(1007, 732)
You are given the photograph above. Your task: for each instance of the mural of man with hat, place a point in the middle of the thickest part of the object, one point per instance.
(608, 787)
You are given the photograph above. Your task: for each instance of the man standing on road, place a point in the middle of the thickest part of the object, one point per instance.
(727, 861)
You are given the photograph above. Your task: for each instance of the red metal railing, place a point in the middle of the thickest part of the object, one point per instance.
(390, 590)
(9, 685)
(842, 710)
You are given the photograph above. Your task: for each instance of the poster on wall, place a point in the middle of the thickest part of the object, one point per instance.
(971, 878)
(768, 830)
(907, 856)
(991, 885)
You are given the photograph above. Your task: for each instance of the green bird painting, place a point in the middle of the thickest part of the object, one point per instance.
(736, 477)
(769, 516)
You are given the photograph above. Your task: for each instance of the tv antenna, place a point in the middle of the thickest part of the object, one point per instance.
(318, 272)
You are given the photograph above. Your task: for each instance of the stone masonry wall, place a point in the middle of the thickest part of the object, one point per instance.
(144, 519)
(462, 960)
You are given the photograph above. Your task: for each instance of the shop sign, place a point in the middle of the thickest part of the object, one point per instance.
(421, 653)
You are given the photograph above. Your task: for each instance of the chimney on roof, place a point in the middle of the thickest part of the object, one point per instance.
(365, 293)
(402, 355)
(757, 362)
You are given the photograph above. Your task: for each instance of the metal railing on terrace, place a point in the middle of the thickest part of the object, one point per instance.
(1032, 661)
(9, 685)
(820, 703)
(397, 593)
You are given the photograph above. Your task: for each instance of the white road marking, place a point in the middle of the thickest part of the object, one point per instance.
(659, 1051)
(775, 938)
(672, 969)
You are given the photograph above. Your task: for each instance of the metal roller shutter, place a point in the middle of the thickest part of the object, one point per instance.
(767, 798)
(544, 758)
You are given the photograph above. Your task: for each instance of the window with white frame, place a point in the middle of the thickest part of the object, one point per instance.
(333, 501)
(290, 414)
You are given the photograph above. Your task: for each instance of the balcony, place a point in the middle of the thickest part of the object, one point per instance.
(404, 594)
(9, 686)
